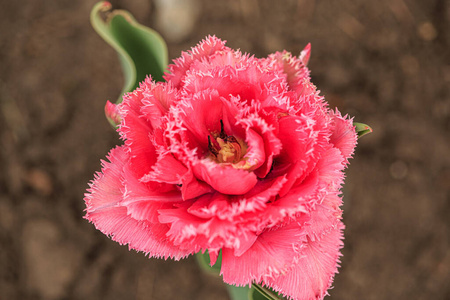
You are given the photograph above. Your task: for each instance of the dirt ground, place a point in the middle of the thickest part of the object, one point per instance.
(385, 62)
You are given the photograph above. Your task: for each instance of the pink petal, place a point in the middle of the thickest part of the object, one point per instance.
(247, 209)
(224, 179)
(181, 65)
(112, 113)
(108, 216)
(201, 117)
(157, 99)
(299, 139)
(135, 130)
(248, 83)
(312, 275)
(213, 255)
(303, 197)
(224, 84)
(245, 242)
(226, 57)
(106, 188)
(207, 207)
(272, 253)
(145, 209)
(143, 201)
(305, 54)
(297, 135)
(326, 215)
(296, 71)
(255, 155)
(253, 205)
(296, 201)
(344, 136)
(166, 170)
(191, 187)
(270, 142)
(196, 231)
(304, 140)
(139, 235)
(330, 168)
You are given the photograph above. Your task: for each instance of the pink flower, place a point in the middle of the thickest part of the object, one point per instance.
(231, 153)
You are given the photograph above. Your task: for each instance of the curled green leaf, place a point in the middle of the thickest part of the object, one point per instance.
(362, 129)
(141, 50)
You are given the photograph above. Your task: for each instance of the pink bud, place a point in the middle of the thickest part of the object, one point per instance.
(305, 54)
(112, 113)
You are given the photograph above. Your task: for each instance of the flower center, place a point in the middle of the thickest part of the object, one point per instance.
(225, 148)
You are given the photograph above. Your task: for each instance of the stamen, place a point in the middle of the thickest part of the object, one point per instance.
(225, 148)
(211, 147)
(222, 134)
(230, 139)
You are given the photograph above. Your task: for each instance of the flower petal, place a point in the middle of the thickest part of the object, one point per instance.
(272, 145)
(106, 188)
(271, 254)
(297, 73)
(181, 65)
(191, 187)
(136, 130)
(304, 140)
(157, 99)
(166, 170)
(224, 179)
(344, 136)
(143, 200)
(197, 230)
(314, 271)
(200, 116)
(296, 201)
(112, 113)
(255, 155)
(139, 235)
(108, 216)
(305, 54)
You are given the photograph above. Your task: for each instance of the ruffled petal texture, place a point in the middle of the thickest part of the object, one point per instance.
(233, 154)
(106, 207)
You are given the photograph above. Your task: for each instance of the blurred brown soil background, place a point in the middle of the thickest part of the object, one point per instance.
(385, 62)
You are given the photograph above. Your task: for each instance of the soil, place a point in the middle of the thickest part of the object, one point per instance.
(385, 62)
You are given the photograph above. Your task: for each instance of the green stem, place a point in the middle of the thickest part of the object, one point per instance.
(266, 292)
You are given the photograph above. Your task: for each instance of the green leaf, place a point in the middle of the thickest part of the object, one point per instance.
(204, 262)
(362, 129)
(262, 293)
(141, 50)
(257, 295)
(240, 292)
(257, 292)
